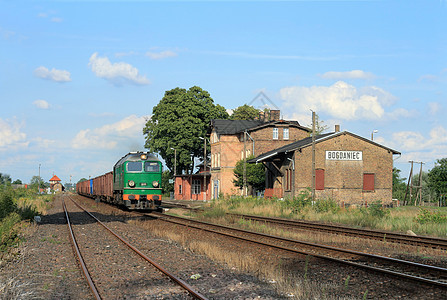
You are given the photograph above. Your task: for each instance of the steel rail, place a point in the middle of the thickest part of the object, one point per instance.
(394, 237)
(359, 232)
(78, 253)
(360, 265)
(177, 280)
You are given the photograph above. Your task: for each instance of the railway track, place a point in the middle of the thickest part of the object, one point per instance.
(430, 242)
(423, 241)
(427, 274)
(91, 282)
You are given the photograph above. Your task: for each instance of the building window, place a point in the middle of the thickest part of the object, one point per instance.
(180, 189)
(319, 179)
(368, 181)
(196, 187)
(285, 134)
(275, 133)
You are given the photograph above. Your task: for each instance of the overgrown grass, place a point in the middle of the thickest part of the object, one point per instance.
(17, 206)
(424, 221)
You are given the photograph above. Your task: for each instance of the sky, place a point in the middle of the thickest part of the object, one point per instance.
(78, 79)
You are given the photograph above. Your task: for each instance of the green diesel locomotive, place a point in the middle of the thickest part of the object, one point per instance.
(135, 182)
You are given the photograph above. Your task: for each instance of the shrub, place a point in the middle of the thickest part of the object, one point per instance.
(425, 216)
(376, 210)
(326, 205)
(7, 204)
(8, 231)
(298, 202)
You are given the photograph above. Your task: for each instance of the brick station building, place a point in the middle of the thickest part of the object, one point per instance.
(348, 169)
(229, 138)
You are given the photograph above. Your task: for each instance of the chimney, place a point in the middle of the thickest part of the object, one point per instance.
(337, 128)
(275, 115)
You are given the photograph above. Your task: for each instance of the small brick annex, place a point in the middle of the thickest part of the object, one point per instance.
(348, 169)
(192, 187)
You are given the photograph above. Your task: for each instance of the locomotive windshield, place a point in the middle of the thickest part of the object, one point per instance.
(134, 166)
(152, 167)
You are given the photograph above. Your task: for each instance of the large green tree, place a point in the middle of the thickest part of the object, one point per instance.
(5, 179)
(245, 112)
(255, 174)
(437, 177)
(177, 122)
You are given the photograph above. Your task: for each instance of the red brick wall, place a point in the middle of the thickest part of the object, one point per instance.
(343, 180)
(231, 149)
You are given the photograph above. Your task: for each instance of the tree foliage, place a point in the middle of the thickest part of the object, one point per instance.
(255, 174)
(399, 185)
(437, 177)
(319, 126)
(177, 122)
(166, 186)
(5, 179)
(245, 112)
(36, 182)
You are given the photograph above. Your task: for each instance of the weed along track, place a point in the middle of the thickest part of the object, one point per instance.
(430, 242)
(431, 276)
(116, 269)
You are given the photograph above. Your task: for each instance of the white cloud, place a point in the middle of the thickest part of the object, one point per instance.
(124, 132)
(116, 73)
(44, 143)
(340, 100)
(161, 55)
(434, 108)
(55, 75)
(11, 135)
(354, 74)
(41, 104)
(415, 141)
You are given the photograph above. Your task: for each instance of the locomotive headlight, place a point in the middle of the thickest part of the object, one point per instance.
(131, 183)
(143, 156)
(155, 183)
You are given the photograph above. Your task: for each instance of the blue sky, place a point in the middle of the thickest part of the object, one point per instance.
(79, 78)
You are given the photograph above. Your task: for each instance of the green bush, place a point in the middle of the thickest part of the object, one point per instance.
(27, 212)
(326, 205)
(376, 210)
(425, 216)
(7, 204)
(9, 232)
(298, 202)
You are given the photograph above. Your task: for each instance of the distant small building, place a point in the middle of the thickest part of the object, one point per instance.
(55, 184)
(192, 186)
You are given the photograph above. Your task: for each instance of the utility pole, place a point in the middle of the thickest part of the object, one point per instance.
(409, 184)
(38, 187)
(313, 156)
(419, 187)
(245, 164)
(175, 161)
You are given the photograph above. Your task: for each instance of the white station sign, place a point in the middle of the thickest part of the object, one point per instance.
(344, 155)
